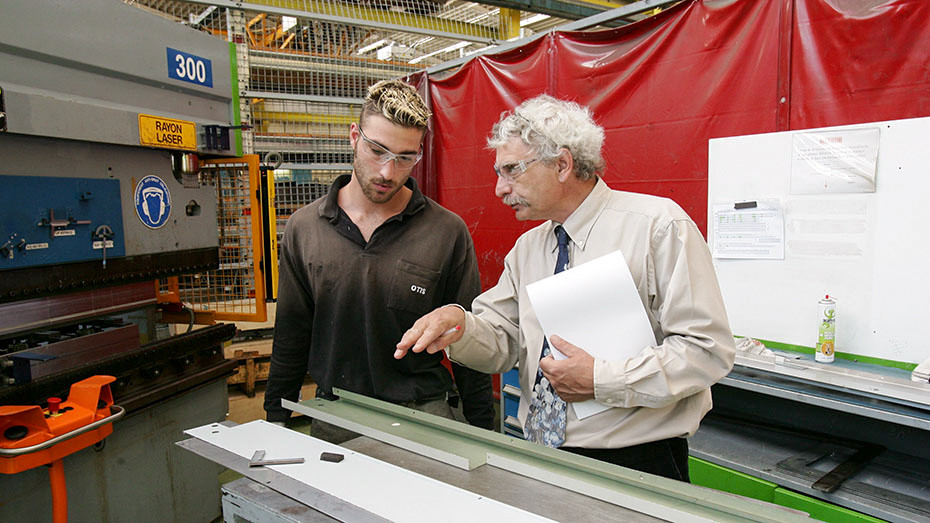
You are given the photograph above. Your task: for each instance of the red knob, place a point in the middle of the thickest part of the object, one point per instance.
(53, 405)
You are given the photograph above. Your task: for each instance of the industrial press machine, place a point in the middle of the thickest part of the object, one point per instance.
(106, 112)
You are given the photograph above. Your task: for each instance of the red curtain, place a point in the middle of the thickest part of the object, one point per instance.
(663, 86)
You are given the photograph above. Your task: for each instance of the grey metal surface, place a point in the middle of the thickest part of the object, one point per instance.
(868, 380)
(616, 13)
(645, 493)
(893, 414)
(85, 70)
(893, 486)
(140, 475)
(245, 500)
(519, 491)
(821, 411)
(287, 486)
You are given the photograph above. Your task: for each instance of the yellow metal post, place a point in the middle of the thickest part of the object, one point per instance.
(509, 23)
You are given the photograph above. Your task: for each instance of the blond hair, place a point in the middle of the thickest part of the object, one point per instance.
(397, 101)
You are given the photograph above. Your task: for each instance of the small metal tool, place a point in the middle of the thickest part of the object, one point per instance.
(258, 461)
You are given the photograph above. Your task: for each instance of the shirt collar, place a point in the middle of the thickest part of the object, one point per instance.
(579, 224)
(330, 207)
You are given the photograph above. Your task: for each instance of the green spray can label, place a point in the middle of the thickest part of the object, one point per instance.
(826, 335)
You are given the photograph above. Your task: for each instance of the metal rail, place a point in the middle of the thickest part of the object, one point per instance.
(11, 453)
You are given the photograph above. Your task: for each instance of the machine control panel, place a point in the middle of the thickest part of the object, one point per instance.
(58, 220)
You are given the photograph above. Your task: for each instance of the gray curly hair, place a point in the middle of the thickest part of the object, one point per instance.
(547, 125)
(397, 101)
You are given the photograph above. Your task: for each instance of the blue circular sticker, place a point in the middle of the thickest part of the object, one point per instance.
(153, 202)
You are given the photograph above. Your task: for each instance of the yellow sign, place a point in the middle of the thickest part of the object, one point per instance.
(156, 131)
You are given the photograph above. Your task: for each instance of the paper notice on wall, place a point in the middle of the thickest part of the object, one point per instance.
(834, 161)
(594, 306)
(749, 230)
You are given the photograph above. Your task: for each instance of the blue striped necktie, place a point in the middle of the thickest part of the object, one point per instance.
(545, 423)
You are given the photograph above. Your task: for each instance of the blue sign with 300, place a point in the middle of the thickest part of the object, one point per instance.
(189, 68)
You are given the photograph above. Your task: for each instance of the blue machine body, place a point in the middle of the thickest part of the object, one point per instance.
(59, 220)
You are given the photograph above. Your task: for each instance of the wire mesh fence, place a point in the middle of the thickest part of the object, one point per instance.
(234, 290)
(304, 67)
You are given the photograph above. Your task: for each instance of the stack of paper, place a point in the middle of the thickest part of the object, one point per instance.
(596, 307)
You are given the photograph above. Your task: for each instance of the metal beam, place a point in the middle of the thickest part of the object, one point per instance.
(289, 117)
(468, 447)
(585, 23)
(366, 17)
(556, 8)
(616, 14)
(303, 97)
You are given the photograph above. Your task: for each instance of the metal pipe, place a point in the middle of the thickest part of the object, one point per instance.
(10, 453)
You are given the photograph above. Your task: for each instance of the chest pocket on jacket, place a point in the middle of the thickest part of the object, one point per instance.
(414, 288)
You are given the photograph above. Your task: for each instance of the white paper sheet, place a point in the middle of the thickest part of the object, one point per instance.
(392, 492)
(596, 307)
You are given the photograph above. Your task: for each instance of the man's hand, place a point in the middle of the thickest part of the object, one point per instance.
(432, 332)
(573, 377)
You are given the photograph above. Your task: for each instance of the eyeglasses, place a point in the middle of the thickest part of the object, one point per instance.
(511, 171)
(381, 155)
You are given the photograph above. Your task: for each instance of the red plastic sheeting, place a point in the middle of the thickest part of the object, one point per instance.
(663, 86)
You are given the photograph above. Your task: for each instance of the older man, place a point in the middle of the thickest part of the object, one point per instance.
(548, 157)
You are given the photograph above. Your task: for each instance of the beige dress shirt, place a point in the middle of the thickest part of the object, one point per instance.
(662, 392)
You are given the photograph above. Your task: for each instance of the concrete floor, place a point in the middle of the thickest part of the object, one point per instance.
(243, 409)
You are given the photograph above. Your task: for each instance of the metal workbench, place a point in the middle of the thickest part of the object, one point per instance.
(281, 496)
(525, 477)
(792, 422)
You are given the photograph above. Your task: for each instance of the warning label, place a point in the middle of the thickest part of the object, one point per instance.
(155, 131)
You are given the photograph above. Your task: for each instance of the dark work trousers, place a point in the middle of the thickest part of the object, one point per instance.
(667, 457)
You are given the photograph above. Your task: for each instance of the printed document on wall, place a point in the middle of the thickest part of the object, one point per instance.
(594, 306)
(749, 230)
(834, 161)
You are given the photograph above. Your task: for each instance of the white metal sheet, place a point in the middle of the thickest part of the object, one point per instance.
(378, 487)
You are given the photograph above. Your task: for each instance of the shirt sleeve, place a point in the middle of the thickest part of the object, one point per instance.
(490, 341)
(474, 387)
(292, 331)
(696, 347)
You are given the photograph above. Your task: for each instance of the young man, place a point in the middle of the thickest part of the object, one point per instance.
(548, 160)
(361, 264)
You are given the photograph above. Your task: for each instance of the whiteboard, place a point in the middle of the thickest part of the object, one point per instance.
(870, 250)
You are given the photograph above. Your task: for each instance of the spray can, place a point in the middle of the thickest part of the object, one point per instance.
(826, 335)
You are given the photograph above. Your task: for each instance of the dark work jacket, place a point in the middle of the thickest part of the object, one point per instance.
(343, 304)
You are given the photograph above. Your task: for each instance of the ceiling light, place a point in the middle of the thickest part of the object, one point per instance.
(288, 22)
(452, 47)
(369, 47)
(533, 19)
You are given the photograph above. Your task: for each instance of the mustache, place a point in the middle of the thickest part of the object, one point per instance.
(513, 199)
(381, 181)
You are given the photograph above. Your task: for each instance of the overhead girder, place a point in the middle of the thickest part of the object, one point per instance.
(367, 17)
(556, 8)
(292, 117)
